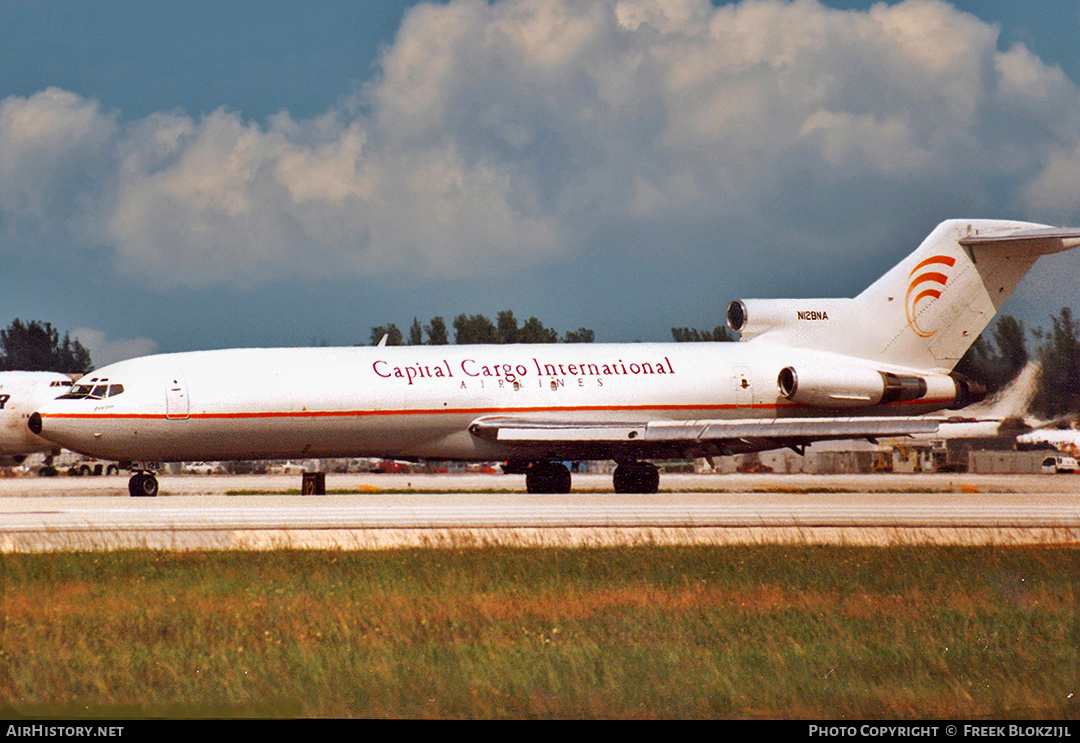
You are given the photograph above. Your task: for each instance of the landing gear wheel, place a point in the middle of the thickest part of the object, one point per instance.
(636, 477)
(143, 485)
(547, 477)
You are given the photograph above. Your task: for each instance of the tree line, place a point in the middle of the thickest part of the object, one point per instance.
(1001, 352)
(477, 328)
(471, 329)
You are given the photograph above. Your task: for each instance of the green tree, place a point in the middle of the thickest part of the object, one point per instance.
(692, 335)
(581, 335)
(416, 333)
(1057, 392)
(393, 335)
(474, 329)
(36, 346)
(998, 355)
(533, 331)
(436, 332)
(506, 328)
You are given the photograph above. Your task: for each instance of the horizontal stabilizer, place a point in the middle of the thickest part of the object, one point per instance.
(1055, 238)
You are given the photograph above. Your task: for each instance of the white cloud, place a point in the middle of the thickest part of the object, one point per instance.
(54, 161)
(104, 350)
(498, 135)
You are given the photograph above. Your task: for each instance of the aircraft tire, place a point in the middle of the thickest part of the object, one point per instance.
(636, 477)
(547, 477)
(143, 485)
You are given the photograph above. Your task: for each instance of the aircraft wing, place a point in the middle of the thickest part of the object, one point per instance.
(696, 437)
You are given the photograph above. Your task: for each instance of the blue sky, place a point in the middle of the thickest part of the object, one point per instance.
(224, 174)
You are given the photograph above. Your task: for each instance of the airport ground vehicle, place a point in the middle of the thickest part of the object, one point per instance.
(204, 468)
(1059, 463)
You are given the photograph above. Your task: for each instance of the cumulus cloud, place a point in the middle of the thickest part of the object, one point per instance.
(54, 162)
(105, 350)
(496, 136)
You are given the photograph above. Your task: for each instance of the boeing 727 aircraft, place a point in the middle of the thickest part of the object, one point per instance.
(805, 370)
(21, 393)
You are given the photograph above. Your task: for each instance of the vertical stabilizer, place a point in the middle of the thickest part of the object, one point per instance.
(928, 310)
(937, 301)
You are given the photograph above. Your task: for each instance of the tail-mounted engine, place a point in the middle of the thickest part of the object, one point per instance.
(968, 391)
(753, 317)
(863, 387)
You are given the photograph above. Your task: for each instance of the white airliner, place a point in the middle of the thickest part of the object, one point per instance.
(1063, 439)
(21, 393)
(806, 370)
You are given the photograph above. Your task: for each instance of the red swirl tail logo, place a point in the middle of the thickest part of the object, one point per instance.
(924, 286)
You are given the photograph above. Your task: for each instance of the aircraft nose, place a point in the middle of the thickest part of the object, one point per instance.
(34, 424)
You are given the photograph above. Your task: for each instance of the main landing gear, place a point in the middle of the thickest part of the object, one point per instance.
(547, 477)
(636, 477)
(553, 477)
(142, 484)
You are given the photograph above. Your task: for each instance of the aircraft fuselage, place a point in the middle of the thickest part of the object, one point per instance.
(21, 393)
(418, 402)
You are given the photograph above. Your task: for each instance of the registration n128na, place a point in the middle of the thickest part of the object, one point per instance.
(804, 370)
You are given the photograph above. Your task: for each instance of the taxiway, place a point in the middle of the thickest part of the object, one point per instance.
(391, 511)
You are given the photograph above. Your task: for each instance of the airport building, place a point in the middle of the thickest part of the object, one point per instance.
(979, 455)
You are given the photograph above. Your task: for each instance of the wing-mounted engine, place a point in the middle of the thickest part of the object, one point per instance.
(793, 318)
(856, 386)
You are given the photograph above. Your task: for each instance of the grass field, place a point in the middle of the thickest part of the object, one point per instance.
(649, 632)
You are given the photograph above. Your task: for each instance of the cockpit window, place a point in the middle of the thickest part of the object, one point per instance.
(97, 389)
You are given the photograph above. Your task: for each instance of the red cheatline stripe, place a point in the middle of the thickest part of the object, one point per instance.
(449, 411)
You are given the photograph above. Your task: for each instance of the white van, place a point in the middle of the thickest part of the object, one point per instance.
(1059, 463)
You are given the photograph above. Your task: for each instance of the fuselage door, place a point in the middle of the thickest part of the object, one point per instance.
(176, 399)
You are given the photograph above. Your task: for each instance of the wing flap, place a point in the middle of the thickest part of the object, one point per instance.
(525, 431)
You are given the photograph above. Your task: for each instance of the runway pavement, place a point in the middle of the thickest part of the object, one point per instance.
(390, 511)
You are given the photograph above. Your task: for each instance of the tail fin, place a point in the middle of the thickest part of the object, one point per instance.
(928, 310)
(935, 303)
